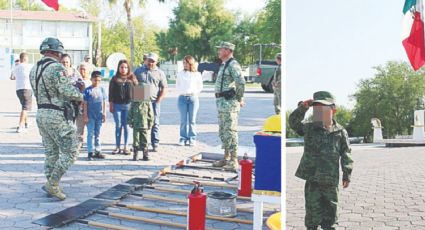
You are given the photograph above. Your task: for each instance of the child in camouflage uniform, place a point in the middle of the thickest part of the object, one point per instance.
(140, 118)
(325, 144)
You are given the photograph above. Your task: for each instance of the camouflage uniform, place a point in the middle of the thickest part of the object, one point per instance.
(58, 135)
(277, 89)
(140, 118)
(228, 110)
(319, 166)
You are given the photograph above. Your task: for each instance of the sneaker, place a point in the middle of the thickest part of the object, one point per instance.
(182, 142)
(154, 148)
(21, 130)
(99, 155)
(192, 143)
(126, 152)
(90, 156)
(116, 151)
(26, 125)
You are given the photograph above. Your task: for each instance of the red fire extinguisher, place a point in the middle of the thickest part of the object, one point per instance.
(245, 176)
(196, 208)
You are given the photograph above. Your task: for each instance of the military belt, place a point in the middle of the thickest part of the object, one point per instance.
(50, 106)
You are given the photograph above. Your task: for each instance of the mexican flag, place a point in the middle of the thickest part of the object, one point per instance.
(52, 4)
(413, 33)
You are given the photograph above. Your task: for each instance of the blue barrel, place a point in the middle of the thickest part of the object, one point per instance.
(111, 73)
(268, 169)
(102, 72)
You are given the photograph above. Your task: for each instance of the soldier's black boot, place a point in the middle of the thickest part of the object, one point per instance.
(145, 154)
(135, 154)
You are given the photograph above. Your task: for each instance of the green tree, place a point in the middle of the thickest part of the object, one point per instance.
(128, 6)
(198, 26)
(391, 96)
(92, 7)
(22, 5)
(112, 39)
(290, 133)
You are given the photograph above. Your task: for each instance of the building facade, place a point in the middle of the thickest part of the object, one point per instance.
(29, 28)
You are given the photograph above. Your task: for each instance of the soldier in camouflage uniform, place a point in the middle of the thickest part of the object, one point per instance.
(229, 90)
(53, 92)
(324, 147)
(276, 83)
(140, 118)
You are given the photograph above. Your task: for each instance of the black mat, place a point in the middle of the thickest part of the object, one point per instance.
(138, 181)
(73, 213)
(117, 192)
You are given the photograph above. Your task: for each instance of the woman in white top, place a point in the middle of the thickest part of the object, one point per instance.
(189, 85)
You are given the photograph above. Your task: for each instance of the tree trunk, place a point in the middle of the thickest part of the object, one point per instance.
(127, 6)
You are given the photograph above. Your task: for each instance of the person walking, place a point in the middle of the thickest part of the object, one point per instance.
(229, 91)
(160, 85)
(188, 85)
(120, 88)
(53, 92)
(20, 74)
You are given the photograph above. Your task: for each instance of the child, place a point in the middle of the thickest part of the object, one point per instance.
(140, 118)
(94, 114)
(325, 144)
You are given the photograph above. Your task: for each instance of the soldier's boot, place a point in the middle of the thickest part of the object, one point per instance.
(135, 154)
(54, 190)
(44, 187)
(233, 163)
(222, 162)
(145, 154)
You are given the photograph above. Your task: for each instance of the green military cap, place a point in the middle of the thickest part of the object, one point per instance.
(323, 97)
(226, 45)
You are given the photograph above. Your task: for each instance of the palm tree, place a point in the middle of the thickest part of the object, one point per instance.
(128, 5)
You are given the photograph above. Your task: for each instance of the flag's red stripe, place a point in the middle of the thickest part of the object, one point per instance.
(52, 3)
(415, 43)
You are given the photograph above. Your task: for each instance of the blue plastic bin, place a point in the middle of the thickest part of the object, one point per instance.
(268, 168)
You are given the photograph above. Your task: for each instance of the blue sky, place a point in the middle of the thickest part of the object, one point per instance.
(331, 45)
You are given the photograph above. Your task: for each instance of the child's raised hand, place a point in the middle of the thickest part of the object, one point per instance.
(345, 183)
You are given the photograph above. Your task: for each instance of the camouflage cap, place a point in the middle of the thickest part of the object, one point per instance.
(226, 45)
(323, 97)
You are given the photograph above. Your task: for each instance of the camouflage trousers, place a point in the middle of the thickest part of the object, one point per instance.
(141, 138)
(60, 143)
(228, 123)
(277, 100)
(320, 205)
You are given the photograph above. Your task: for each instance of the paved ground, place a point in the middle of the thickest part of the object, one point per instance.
(387, 189)
(21, 156)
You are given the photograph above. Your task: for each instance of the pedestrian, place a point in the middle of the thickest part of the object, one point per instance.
(53, 91)
(188, 85)
(120, 88)
(160, 85)
(229, 91)
(94, 114)
(276, 83)
(21, 73)
(71, 72)
(141, 117)
(90, 67)
(325, 145)
(85, 75)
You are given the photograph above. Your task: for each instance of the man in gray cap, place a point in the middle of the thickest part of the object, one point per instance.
(276, 83)
(151, 74)
(229, 91)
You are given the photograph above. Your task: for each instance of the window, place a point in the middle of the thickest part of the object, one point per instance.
(32, 28)
(48, 29)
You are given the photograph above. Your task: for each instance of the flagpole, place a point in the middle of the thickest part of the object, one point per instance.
(11, 26)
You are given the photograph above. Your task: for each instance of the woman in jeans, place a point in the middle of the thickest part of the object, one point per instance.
(188, 85)
(120, 88)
